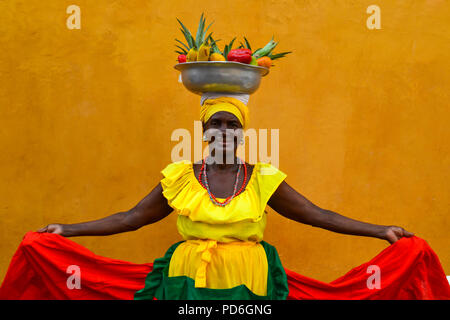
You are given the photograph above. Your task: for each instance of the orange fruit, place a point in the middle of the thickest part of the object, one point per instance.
(264, 62)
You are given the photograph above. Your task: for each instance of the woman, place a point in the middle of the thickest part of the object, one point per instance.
(221, 216)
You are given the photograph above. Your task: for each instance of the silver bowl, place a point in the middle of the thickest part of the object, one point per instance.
(221, 76)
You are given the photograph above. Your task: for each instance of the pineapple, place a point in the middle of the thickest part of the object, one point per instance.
(191, 55)
(216, 54)
(203, 52)
(196, 49)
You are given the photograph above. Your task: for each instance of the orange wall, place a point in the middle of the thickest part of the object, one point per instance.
(86, 117)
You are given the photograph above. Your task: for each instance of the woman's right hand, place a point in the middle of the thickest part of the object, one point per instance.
(53, 228)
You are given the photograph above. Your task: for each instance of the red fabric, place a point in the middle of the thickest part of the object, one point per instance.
(408, 269)
(38, 271)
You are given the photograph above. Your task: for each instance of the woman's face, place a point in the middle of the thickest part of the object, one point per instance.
(223, 130)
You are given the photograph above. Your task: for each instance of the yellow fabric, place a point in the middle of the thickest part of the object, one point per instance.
(228, 104)
(222, 247)
(188, 198)
(222, 265)
(226, 232)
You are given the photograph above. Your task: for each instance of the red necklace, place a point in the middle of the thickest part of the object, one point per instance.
(228, 199)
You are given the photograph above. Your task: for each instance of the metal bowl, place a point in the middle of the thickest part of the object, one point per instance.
(221, 76)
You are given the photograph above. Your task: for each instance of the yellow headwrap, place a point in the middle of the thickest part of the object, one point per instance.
(228, 104)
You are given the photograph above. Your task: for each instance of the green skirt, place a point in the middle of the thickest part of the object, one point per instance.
(162, 287)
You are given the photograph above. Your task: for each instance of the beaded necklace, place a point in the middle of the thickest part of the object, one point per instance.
(228, 199)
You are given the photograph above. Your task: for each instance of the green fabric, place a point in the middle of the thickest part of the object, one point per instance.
(159, 285)
(277, 285)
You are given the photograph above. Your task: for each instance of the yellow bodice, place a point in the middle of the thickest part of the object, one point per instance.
(244, 218)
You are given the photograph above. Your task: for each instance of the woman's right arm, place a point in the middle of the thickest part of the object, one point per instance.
(151, 209)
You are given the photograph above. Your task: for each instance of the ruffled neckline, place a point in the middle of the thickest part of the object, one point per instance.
(188, 197)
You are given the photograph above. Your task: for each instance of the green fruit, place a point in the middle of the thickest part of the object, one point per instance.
(254, 61)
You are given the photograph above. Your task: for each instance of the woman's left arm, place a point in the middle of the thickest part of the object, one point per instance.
(292, 205)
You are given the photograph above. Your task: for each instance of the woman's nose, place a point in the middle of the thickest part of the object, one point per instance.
(226, 132)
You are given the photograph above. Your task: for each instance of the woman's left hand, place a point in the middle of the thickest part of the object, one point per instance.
(394, 233)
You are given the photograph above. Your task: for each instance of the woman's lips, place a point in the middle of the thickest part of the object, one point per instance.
(225, 143)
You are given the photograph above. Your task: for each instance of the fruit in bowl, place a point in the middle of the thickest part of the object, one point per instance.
(204, 48)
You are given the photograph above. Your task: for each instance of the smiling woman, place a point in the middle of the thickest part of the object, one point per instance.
(225, 141)
(221, 209)
(363, 101)
(222, 218)
(223, 119)
(221, 215)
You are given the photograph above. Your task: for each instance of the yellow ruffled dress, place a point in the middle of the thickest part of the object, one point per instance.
(222, 255)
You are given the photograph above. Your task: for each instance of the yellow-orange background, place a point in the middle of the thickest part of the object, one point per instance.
(86, 117)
